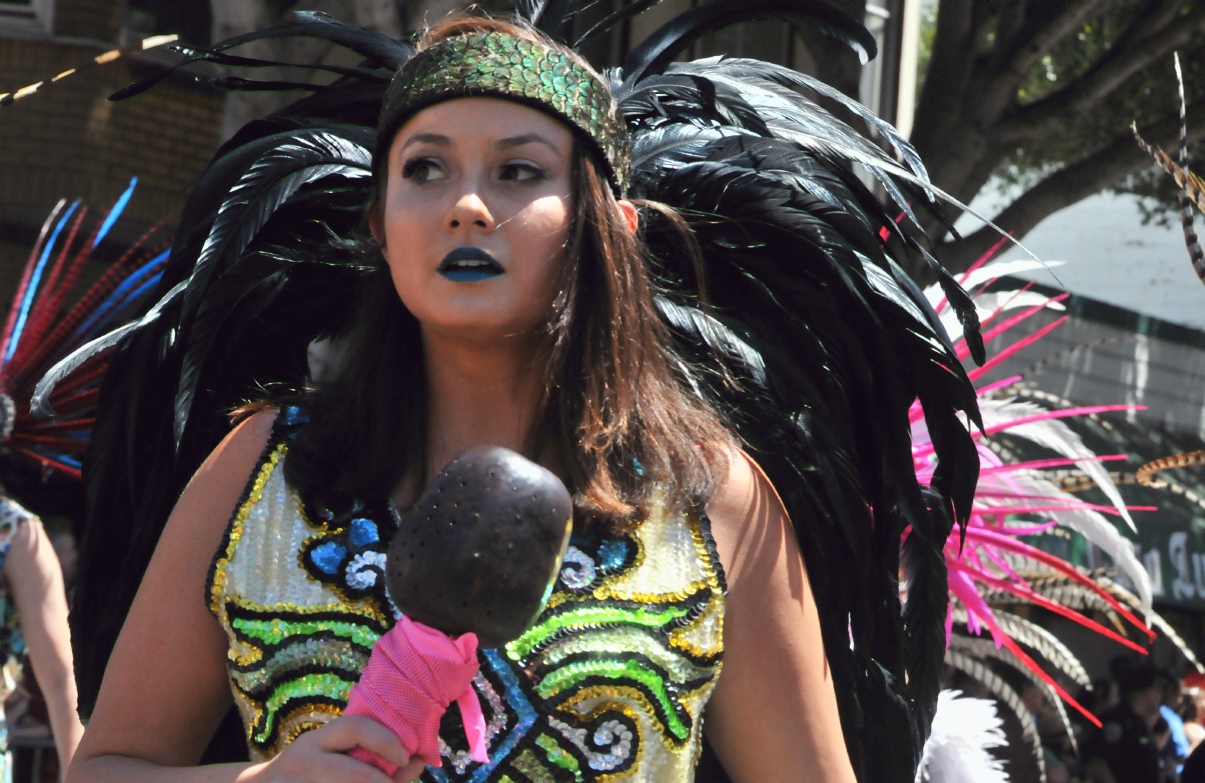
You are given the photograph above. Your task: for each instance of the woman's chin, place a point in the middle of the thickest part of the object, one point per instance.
(480, 327)
(482, 311)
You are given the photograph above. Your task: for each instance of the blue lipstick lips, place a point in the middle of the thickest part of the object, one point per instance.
(469, 265)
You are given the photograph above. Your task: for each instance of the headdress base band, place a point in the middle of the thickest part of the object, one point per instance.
(499, 65)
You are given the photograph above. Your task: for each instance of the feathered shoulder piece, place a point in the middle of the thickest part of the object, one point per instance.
(825, 343)
(804, 329)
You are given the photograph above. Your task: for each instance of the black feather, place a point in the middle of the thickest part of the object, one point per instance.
(270, 182)
(275, 286)
(663, 45)
(381, 51)
(625, 11)
(813, 340)
(315, 24)
(847, 343)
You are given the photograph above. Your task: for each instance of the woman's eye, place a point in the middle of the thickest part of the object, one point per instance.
(422, 170)
(521, 172)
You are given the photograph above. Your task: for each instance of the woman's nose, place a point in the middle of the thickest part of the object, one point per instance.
(470, 210)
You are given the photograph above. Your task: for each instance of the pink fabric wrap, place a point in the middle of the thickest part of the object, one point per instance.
(414, 673)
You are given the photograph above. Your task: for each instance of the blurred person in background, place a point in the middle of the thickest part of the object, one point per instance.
(1176, 750)
(1193, 710)
(1124, 749)
(33, 626)
(1050, 728)
(1103, 696)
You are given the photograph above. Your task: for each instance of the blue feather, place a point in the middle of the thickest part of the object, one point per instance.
(30, 292)
(115, 212)
(105, 310)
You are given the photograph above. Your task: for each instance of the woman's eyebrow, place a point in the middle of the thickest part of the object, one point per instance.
(429, 138)
(526, 138)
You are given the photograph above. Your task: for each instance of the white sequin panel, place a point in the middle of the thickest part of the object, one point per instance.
(671, 560)
(264, 568)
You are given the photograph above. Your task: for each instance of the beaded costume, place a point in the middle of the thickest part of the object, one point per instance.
(800, 325)
(609, 684)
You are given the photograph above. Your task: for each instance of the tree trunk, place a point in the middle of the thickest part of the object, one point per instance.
(969, 116)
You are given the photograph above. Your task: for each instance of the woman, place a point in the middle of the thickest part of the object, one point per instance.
(511, 304)
(33, 614)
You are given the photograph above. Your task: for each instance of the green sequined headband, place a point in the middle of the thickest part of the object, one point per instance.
(493, 64)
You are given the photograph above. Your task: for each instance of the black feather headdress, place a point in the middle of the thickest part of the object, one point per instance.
(812, 339)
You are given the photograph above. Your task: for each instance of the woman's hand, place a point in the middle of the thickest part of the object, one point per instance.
(320, 756)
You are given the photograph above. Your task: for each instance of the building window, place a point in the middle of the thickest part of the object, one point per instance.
(27, 17)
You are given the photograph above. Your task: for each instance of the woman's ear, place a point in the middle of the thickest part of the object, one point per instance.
(374, 225)
(630, 216)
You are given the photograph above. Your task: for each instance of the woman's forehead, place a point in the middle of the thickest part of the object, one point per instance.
(490, 121)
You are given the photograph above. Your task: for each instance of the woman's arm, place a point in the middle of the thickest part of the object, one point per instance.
(36, 582)
(165, 689)
(773, 716)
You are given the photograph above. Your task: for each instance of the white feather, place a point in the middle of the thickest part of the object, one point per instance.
(1004, 301)
(1055, 435)
(1002, 268)
(1058, 437)
(958, 749)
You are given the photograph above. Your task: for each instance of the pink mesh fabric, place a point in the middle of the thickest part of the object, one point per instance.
(414, 673)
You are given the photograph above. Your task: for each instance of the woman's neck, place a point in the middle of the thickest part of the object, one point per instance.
(480, 393)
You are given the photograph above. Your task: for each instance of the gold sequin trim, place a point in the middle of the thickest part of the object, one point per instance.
(612, 706)
(217, 588)
(714, 607)
(696, 535)
(603, 593)
(305, 718)
(362, 608)
(678, 640)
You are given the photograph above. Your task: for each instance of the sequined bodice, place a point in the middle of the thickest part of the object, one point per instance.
(609, 684)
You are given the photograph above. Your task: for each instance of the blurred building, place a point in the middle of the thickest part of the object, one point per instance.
(70, 141)
(1107, 355)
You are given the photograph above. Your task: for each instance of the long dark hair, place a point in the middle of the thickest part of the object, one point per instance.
(616, 403)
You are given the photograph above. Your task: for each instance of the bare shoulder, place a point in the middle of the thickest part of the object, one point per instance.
(746, 513)
(737, 490)
(774, 710)
(165, 687)
(209, 499)
(243, 446)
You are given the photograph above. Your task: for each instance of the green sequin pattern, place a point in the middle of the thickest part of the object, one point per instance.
(496, 64)
(609, 684)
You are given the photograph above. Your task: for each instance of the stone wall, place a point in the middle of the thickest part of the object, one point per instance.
(97, 20)
(69, 141)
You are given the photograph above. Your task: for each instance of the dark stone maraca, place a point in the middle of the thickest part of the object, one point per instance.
(480, 549)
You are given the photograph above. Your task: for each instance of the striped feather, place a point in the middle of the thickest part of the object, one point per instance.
(986, 649)
(1001, 690)
(1041, 641)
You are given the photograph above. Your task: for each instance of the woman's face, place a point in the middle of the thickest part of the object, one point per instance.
(476, 216)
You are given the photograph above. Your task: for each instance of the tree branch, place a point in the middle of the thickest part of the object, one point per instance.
(1011, 22)
(1156, 15)
(1072, 184)
(967, 94)
(1051, 113)
(1024, 49)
